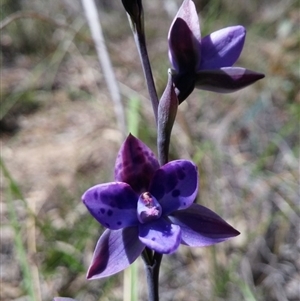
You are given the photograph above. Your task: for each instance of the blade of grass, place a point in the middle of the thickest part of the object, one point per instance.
(130, 287)
(246, 291)
(94, 23)
(47, 68)
(13, 192)
(133, 116)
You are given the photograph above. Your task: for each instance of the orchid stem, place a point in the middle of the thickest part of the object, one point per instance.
(152, 266)
(142, 48)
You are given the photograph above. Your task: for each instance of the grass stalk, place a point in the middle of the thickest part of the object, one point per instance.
(13, 192)
(105, 62)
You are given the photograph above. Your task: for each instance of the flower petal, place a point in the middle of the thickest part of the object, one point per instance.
(188, 13)
(160, 235)
(148, 208)
(135, 164)
(184, 48)
(112, 204)
(115, 251)
(226, 80)
(222, 48)
(175, 185)
(201, 227)
(184, 85)
(185, 39)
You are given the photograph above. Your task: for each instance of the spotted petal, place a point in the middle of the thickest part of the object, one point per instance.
(112, 204)
(222, 48)
(160, 235)
(175, 185)
(227, 79)
(115, 251)
(135, 164)
(201, 227)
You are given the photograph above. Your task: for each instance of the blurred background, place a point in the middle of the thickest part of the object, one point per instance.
(59, 136)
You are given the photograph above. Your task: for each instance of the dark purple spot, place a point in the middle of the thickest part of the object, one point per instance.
(102, 210)
(153, 238)
(109, 212)
(139, 159)
(96, 195)
(107, 225)
(119, 223)
(175, 193)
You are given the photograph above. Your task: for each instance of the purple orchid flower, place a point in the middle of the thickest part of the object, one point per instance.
(148, 206)
(206, 63)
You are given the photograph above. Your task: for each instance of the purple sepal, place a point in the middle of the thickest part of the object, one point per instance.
(227, 79)
(114, 252)
(184, 49)
(135, 164)
(112, 204)
(185, 38)
(160, 235)
(188, 13)
(201, 227)
(222, 48)
(175, 185)
(184, 84)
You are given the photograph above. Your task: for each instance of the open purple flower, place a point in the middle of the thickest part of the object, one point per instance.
(206, 63)
(148, 206)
